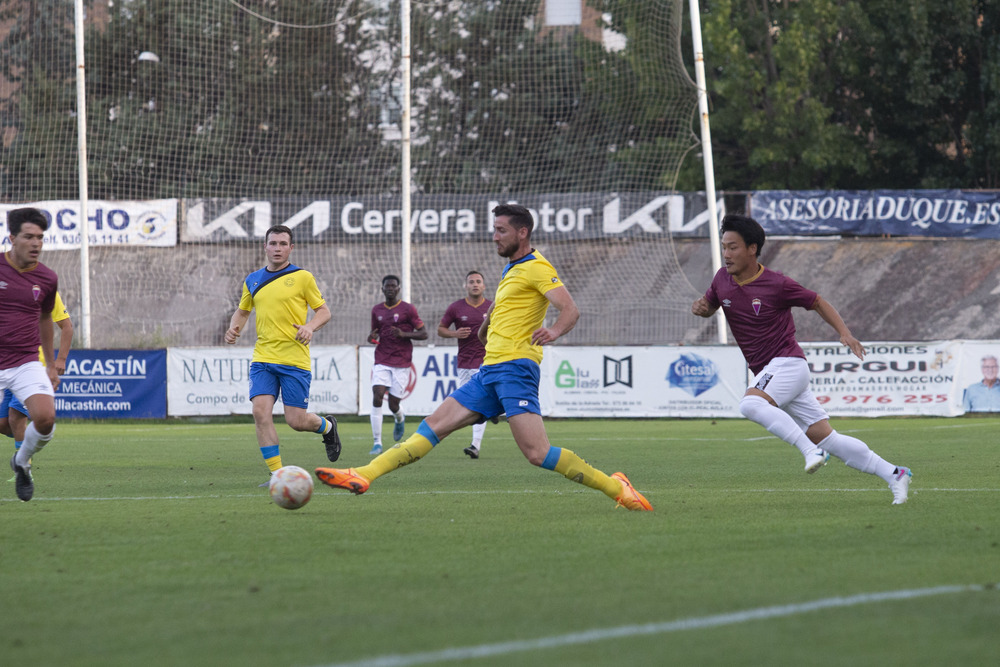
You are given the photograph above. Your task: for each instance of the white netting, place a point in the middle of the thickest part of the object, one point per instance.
(250, 113)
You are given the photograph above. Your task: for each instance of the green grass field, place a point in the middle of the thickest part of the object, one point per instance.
(150, 544)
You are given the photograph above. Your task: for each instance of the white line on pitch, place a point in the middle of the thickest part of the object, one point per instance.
(460, 492)
(696, 623)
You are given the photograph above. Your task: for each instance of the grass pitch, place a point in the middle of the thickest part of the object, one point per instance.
(150, 544)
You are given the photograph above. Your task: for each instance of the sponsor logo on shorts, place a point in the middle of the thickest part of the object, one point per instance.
(763, 381)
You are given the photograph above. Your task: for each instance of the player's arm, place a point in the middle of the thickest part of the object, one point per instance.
(236, 324)
(484, 328)
(833, 318)
(47, 330)
(65, 342)
(416, 334)
(304, 332)
(702, 308)
(461, 332)
(568, 316)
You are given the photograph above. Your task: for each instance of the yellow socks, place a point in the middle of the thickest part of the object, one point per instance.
(575, 469)
(409, 451)
(272, 457)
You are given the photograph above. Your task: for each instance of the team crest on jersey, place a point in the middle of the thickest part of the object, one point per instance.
(289, 281)
(36, 291)
(395, 317)
(756, 306)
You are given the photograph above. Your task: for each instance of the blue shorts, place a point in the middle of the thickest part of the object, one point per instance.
(10, 402)
(290, 382)
(510, 386)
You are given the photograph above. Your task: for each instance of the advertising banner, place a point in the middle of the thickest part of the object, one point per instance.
(449, 218)
(119, 223)
(594, 381)
(120, 384)
(893, 379)
(644, 381)
(432, 376)
(215, 381)
(977, 376)
(944, 213)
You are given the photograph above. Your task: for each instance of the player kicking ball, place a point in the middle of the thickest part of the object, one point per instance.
(757, 302)
(513, 334)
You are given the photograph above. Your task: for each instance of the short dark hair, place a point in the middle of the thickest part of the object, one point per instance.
(473, 272)
(19, 216)
(391, 277)
(749, 229)
(519, 215)
(279, 229)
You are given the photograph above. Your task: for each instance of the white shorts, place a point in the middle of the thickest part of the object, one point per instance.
(393, 378)
(786, 381)
(466, 374)
(26, 380)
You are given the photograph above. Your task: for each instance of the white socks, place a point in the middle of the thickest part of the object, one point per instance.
(33, 442)
(377, 424)
(850, 450)
(776, 421)
(857, 455)
(477, 435)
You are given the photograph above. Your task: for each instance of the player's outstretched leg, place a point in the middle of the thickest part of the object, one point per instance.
(358, 480)
(575, 469)
(858, 455)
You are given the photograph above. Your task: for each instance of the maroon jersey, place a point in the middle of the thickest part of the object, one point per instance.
(759, 313)
(24, 298)
(461, 314)
(392, 351)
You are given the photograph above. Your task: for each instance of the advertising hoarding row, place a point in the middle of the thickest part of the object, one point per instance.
(942, 378)
(577, 216)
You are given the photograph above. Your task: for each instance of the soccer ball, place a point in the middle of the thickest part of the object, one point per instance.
(291, 487)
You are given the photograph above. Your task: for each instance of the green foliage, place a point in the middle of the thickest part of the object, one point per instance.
(151, 544)
(851, 95)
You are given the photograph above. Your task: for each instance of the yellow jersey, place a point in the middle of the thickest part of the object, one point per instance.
(519, 309)
(59, 313)
(282, 300)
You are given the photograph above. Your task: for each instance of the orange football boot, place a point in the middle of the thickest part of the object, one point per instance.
(343, 478)
(629, 498)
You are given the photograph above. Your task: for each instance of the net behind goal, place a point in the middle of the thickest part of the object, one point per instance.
(250, 113)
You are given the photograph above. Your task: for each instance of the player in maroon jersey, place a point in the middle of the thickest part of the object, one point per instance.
(27, 297)
(757, 303)
(467, 315)
(395, 325)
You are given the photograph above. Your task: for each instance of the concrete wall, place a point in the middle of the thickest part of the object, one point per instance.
(628, 292)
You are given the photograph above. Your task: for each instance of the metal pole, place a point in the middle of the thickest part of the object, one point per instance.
(81, 125)
(405, 146)
(706, 142)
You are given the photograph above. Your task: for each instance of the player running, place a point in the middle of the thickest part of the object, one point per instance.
(513, 334)
(757, 302)
(467, 315)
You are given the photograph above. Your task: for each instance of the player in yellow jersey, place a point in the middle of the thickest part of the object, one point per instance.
(282, 294)
(13, 413)
(513, 334)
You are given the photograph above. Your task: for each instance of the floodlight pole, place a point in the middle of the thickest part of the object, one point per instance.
(81, 136)
(405, 148)
(706, 142)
